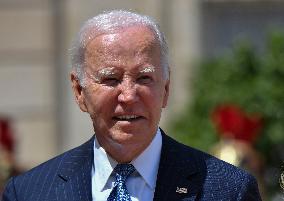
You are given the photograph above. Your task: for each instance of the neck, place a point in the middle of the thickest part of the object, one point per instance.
(124, 154)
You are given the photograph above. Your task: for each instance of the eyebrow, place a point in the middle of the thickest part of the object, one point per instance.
(105, 71)
(108, 71)
(148, 69)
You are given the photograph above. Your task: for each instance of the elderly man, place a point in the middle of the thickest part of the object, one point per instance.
(120, 77)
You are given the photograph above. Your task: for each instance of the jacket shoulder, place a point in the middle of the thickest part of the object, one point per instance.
(220, 179)
(212, 164)
(46, 174)
(54, 164)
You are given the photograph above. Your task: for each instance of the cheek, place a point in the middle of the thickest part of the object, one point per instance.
(153, 99)
(100, 101)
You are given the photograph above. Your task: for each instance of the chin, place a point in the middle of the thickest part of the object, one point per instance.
(122, 137)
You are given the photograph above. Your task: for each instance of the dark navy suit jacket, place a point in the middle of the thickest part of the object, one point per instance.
(184, 174)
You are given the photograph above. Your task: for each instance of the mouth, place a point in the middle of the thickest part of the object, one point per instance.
(127, 118)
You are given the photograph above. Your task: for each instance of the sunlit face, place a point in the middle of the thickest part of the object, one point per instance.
(125, 90)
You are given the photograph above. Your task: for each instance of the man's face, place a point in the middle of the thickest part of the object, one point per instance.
(125, 90)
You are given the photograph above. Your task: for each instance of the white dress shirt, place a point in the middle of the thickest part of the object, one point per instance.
(140, 185)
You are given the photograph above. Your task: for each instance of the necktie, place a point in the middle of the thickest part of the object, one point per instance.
(119, 192)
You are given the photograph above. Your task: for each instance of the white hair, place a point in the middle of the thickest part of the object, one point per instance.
(109, 22)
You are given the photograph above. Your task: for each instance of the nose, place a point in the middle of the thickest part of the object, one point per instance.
(127, 93)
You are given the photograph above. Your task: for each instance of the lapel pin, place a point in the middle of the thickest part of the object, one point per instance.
(181, 190)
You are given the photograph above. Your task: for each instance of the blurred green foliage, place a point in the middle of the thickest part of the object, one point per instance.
(253, 81)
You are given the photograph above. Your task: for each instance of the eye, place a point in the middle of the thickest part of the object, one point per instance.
(145, 79)
(110, 81)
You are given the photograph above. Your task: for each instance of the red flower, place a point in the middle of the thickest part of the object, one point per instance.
(6, 138)
(234, 123)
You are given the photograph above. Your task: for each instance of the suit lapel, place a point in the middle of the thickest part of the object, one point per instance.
(179, 176)
(75, 174)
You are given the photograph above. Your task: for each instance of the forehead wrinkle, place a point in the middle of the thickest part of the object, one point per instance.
(146, 48)
(94, 55)
(98, 49)
(119, 44)
(114, 49)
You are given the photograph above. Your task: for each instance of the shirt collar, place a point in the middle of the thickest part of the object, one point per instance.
(149, 170)
(104, 164)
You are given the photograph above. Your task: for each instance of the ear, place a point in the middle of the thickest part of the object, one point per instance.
(166, 95)
(78, 91)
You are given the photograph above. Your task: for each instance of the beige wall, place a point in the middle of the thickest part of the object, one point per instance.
(26, 78)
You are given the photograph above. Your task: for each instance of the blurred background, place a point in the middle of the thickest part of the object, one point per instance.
(227, 84)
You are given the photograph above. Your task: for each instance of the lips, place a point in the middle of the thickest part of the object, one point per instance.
(127, 117)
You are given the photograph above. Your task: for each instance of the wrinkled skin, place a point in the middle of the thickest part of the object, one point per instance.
(124, 78)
